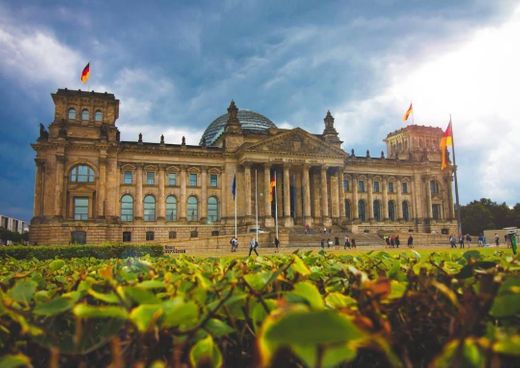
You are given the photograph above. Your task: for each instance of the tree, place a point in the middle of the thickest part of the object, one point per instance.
(486, 214)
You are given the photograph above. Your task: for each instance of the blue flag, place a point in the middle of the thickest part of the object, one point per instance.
(234, 186)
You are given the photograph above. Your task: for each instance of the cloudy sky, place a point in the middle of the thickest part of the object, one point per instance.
(175, 65)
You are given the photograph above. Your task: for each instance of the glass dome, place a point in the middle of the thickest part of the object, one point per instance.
(250, 121)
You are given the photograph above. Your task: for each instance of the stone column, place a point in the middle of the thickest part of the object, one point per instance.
(287, 196)
(39, 186)
(429, 198)
(341, 201)
(307, 219)
(101, 204)
(398, 205)
(161, 206)
(182, 200)
(58, 188)
(298, 205)
(112, 192)
(354, 206)
(325, 218)
(268, 218)
(334, 196)
(370, 204)
(247, 190)
(139, 200)
(204, 196)
(384, 206)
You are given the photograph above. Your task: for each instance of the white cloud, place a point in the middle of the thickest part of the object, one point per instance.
(477, 81)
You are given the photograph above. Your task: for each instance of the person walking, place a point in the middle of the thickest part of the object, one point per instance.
(322, 244)
(346, 243)
(392, 241)
(234, 244)
(410, 241)
(253, 244)
(452, 241)
(461, 241)
(353, 242)
(468, 240)
(276, 244)
(329, 243)
(397, 241)
(497, 240)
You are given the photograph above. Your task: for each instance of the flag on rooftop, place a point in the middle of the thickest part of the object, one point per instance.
(447, 139)
(408, 112)
(85, 74)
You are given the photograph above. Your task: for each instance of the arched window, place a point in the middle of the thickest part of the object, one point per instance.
(72, 113)
(171, 208)
(84, 114)
(192, 209)
(391, 210)
(361, 210)
(98, 116)
(149, 208)
(406, 211)
(127, 208)
(212, 209)
(82, 174)
(377, 210)
(347, 209)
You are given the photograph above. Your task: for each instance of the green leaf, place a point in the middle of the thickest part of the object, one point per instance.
(309, 292)
(509, 345)
(56, 306)
(397, 289)
(506, 305)
(300, 267)
(145, 315)
(15, 361)
(177, 312)
(141, 296)
(152, 284)
(110, 297)
(105, 311)
(337, 300)
(510, 286)
(335, 355)
(259, 280)
(56, 264)
(23, 290)
(205, 354)
(218, 328)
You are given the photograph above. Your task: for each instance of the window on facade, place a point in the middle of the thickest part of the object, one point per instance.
(376, 186)
(391, 187)
(436, 211)
(361, 186)
(150, 178)
(172, 179)
(193, 180)
(406, 211)
(72, 113)
(346, 185)
(78, 237)
(84, 114)
(149, 208)
(171, 208)
(212, 209)
(98, 116)
(150, 235)
(434, 187)
(405, 188)
(127, 236)
(172, 235)
(361, 210)
(377, 210)
(80, 208)
(82, 174)
(192, 210)
(127, 208)
(127, 177)
(391, 210)
(213, 181)
(347, 209)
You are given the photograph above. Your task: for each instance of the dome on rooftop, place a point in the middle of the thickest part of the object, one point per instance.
(250, 121)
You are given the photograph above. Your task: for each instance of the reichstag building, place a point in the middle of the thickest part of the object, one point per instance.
(91, 187)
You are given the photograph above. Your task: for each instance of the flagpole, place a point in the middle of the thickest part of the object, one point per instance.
(275, 205)
(413, 116)
(256, 202)
(459, 222)
(235, 199)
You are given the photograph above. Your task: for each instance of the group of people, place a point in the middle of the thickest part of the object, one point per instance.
(253, 245)
(393, 241)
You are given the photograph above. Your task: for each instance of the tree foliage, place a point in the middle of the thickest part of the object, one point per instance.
(478, 216)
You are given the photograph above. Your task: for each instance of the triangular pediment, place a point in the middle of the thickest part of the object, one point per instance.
(296, 142)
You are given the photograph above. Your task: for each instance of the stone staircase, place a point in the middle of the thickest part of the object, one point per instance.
(298, 238)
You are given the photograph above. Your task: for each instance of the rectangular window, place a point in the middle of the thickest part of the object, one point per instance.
(80, 208)
(172, 179)
(193, 180)
(150, 235)
(150, 178)
(213, 180)
(172, 235)
(346, 185)
(127, 236)
(390, 187)
(376, 187)
(436, 211)
(361, 186)
(405, 188)
(127, 177)
(434, 187)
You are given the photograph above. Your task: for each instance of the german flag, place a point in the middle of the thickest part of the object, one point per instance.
(408, 112)
(85, 73)
(272, 186)
(447, 139)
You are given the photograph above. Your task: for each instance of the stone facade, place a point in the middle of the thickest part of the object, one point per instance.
(91, 186)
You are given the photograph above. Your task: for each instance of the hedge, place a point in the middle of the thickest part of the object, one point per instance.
(79, 251)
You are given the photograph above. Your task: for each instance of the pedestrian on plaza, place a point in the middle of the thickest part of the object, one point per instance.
(322, 244)
(346, 243)
(276, 244)
(329, 243)
(234, 244)
(452, 241)
(353, 242)
(410, 241)
(468, 240)
(392, 241)
(387, 240)
(336, 241)
(481, 240)
(497, 239)
(461, 241)
(397, 241)
(253, 244)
